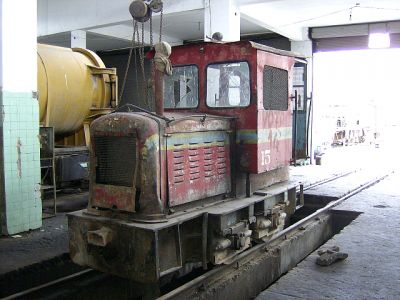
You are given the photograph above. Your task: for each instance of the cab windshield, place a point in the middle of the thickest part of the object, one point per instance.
(181, 90)
(228, 85)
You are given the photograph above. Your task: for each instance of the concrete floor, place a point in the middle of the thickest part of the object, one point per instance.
(32, 247)
(372, 241)
(50, 241)
(312, 174)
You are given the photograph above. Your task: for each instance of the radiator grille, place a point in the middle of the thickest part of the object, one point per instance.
(116, 160)
(275, 89)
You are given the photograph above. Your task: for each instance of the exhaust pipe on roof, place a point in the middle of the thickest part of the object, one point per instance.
(162, 66)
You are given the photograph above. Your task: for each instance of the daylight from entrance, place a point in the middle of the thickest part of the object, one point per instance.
(356, 105)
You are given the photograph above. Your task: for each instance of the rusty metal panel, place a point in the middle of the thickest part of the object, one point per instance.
(131, 252)
(264, 149)
(274, 128)
(170, 249)
(116, 197)
(198, 166)
(135, 129)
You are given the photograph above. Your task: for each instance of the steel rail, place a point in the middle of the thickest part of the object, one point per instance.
(48, 284)
(330, 179)
(197, 282)
(302, 189)
(328, 207)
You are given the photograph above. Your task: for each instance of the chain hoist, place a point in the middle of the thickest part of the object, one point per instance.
(161, 23)
(142, 11)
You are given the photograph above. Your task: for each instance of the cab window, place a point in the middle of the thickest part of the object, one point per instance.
(181, 89)
(228, 85)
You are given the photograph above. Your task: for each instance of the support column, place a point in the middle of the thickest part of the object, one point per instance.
(20, 201)
(305, 48)
(222, 16)
(78, 39)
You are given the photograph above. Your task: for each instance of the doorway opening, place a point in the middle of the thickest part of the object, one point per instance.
(356, 107)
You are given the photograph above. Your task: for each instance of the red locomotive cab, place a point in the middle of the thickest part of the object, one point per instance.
(250, 82)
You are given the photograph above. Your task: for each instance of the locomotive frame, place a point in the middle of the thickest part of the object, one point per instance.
(197, 185)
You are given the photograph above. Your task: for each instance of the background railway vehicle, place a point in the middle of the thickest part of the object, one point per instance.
(348, 134)
(200, 180)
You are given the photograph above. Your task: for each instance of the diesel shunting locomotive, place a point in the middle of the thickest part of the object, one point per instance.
(201, 180)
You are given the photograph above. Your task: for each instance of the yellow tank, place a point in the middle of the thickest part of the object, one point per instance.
(74, 87)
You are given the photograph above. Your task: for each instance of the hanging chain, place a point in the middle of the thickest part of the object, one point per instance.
(161, 23)
(150, 84)
(136, 69)
(137, 46)
(151, 30)
(128, 64)
(136, 31)
(144, 81)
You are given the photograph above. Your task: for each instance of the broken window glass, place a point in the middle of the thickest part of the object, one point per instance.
(181, 89)
(228, 85)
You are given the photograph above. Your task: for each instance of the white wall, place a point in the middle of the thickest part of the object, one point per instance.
(18, 45)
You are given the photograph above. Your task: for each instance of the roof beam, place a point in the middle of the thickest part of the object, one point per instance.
(124, 32)
(56, 16)
(258, 16)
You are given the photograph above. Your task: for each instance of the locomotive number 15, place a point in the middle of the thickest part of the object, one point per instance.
(265, 157)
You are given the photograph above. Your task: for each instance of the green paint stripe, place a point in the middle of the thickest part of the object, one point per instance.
(259, 136)
(203, 139)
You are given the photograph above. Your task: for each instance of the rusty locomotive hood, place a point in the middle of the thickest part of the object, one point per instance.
(126, 122)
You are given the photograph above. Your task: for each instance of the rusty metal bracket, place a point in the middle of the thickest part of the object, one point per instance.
(102, 71)
(301, 195)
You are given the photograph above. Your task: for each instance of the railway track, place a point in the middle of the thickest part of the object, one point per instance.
(327, 180)
(68, 287)
(49, 284)
(200, 283)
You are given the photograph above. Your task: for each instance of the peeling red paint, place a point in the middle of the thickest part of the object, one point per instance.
(104, 196)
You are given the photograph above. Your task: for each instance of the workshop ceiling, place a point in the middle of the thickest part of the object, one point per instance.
(108, 23)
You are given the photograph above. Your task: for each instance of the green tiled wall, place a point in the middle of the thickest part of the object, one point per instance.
(21, 206)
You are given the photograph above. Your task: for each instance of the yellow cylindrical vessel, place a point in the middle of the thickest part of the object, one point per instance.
(73, 86)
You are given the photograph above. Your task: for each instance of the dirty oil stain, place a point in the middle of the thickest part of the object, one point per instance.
(19, 158)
